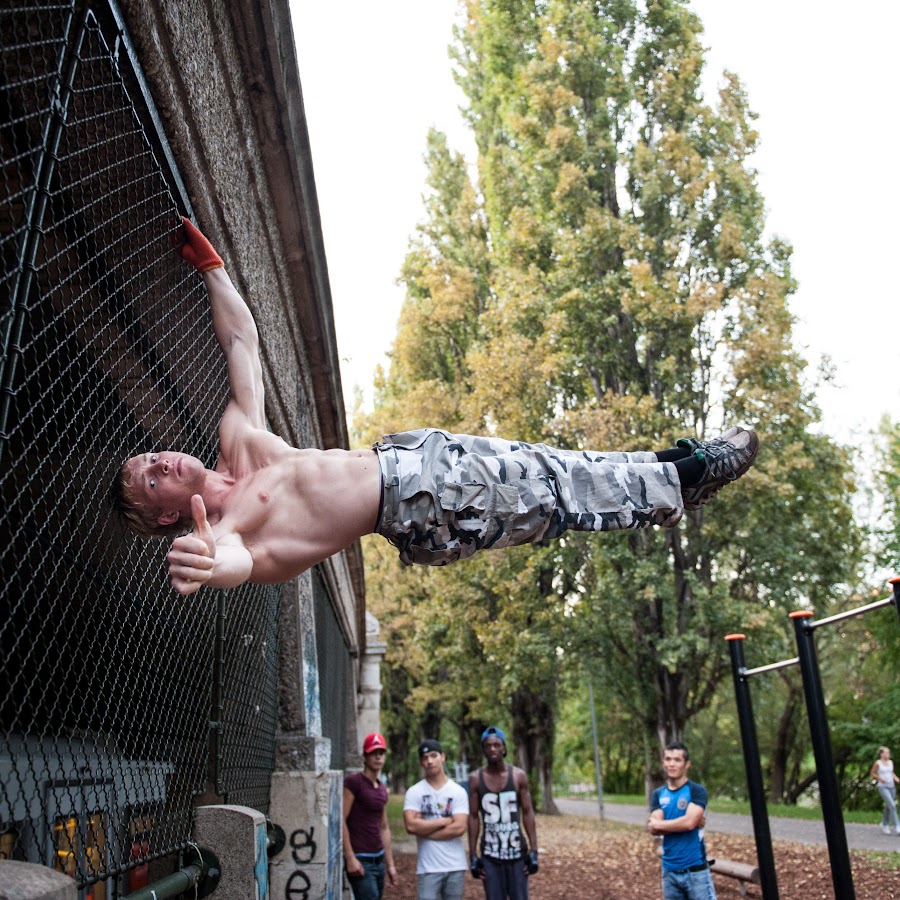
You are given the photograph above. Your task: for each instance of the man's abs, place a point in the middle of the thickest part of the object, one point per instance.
(301, 508)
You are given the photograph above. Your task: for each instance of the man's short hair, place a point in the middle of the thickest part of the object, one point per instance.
(133, 515)
(678, 745)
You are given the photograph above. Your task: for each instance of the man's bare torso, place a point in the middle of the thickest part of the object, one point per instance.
(293, 508)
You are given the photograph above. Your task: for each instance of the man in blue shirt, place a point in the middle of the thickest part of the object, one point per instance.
(677, 812)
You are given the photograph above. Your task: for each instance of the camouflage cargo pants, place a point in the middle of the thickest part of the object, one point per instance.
(446, 496)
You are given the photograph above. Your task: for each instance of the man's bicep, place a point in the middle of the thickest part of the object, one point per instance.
(694, 814)
(473, 800)
(349, 797)
(238, 337)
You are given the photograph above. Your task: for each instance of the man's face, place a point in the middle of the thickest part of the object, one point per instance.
(166, 480)
(494, 749)
(675, 765)
(433, 762)
(375, 760)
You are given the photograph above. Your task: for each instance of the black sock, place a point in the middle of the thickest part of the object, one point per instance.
(690, 470)
(673, 454)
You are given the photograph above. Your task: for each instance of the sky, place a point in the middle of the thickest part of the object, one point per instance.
(822, 78)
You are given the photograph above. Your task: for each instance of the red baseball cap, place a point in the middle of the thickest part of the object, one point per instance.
(374, 741)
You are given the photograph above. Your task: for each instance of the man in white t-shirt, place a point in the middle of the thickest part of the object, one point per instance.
(436, 811)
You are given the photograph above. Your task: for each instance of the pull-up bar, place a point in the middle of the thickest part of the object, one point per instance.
(829, 792)
(860, 610)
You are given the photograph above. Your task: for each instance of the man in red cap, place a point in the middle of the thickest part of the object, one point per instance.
(269, 511)
(368, 855)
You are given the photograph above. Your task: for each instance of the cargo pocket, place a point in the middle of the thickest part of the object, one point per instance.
(504, 500)
(522, 510)
(481, 499)
(456, 498)
(478, 515)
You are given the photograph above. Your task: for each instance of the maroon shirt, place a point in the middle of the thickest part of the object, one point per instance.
(364, 821)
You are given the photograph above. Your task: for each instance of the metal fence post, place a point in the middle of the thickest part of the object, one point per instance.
(764, 854)
(597, 772)
(836, 836)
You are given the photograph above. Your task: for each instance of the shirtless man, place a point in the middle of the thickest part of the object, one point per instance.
(269, 511)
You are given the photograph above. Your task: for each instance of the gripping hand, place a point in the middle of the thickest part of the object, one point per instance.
(476, 867)
(193, 556)
(531, 862)
(197, 250)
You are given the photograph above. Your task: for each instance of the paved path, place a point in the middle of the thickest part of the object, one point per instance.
(859, 837)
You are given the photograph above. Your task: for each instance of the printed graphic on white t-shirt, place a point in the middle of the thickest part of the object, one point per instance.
(450, 800)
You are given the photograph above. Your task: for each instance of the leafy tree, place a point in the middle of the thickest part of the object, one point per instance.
(867, 712)
(607, 284)
(888, 483)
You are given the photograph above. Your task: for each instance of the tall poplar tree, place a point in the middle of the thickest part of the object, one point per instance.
(607, 284)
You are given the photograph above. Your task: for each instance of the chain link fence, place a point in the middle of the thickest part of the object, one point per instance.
(335, 668)
(120, 702)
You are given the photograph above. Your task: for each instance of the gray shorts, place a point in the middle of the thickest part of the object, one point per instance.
(446, 496)
(442, 886)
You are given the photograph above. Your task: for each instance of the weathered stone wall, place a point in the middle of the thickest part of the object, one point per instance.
(224, 79)
(223, 76)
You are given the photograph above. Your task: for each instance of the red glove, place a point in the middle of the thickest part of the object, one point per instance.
(197, 250)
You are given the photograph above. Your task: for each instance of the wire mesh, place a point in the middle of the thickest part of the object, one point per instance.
(110, 682)
(335, 666)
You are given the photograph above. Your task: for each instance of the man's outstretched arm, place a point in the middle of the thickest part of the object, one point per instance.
(233, 325)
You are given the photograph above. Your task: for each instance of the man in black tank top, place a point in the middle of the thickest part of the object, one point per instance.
(500, 809)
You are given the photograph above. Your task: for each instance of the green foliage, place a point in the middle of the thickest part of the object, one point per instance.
(606, 284)
(620, 744)
(888, 483)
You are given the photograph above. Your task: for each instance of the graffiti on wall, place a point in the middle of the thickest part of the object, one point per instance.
(261, 870)
(335, 862)
(303, 852)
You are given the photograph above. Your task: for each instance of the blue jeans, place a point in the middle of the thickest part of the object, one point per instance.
(688, 886)
(369, 885)
(889, 795)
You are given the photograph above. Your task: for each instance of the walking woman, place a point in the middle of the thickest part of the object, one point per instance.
(887, 781)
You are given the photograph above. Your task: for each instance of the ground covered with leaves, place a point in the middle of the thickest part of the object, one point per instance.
(582, 859)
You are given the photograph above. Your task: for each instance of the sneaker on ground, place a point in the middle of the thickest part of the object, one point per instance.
(725, 458)
(886, 829)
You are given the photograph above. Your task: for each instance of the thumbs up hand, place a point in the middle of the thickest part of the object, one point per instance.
(193, 556)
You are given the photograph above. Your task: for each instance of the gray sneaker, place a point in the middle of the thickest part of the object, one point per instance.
(726, 458)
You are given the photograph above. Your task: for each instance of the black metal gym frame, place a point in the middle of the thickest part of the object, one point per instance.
(836, 836)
